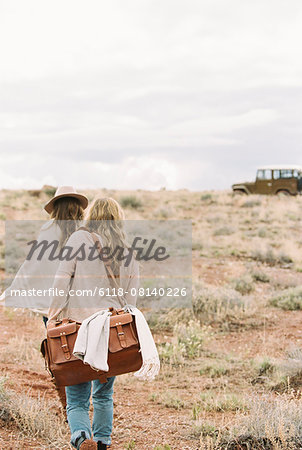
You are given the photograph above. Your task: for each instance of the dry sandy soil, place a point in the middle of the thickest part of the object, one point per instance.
(231, 236)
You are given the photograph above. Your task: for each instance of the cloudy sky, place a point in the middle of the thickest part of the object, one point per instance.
(146, 93)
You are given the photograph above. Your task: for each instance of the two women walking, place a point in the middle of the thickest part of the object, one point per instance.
(105, 220)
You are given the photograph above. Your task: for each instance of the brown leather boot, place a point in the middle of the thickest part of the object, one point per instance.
(89, 444)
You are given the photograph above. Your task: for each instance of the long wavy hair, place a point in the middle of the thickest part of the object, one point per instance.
(106, 218)
(68, 214)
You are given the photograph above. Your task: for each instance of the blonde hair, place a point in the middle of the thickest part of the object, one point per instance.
(106, 217)
(68, 213)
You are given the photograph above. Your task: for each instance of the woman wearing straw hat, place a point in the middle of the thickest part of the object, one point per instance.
(66, 210)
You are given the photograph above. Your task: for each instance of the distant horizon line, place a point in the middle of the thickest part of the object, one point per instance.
(117, 189)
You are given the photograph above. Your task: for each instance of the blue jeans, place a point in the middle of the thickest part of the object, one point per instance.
(78, 403)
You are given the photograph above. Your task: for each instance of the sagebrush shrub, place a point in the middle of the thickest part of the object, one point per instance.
(260, 276)
(244, 285)
(33, 416)
(130, 201)
(290, 299)
(216, 304)
(187, 343)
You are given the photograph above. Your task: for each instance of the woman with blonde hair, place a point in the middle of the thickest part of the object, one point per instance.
(83, 275)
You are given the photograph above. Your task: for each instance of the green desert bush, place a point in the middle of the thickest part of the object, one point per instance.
(283, 375)
(206, 197)
(170, 400)
(214, 370)
(130, 201)
(171, 353)
(270, 257)
(50, 190)
(262, 232)
(244, 284)
(191, 337)
(260, 276)
(207, 433)
(164, 213)
(251, 203)
(196, 410)
(224, 231)
(196, 245)
(266, 367)
(214, 219)
(187, 343)
(267, 372)
(290, 299)
(165, 319)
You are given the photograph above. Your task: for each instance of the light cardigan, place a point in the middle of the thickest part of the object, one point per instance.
(92, 341)
(34, 273)
(85, 280)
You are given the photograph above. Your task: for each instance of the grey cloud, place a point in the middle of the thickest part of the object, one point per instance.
(207, 89)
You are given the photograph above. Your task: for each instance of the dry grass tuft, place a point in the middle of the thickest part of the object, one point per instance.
(221, 402)
(221, 305)
(165, 320)
(34, 417)
(19, 349)
(169, 399)
(272, 424)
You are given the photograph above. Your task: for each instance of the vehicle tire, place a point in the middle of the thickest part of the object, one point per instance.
(239, 192)
(283, 192)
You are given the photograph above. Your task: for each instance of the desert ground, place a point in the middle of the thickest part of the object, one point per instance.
(231, 366)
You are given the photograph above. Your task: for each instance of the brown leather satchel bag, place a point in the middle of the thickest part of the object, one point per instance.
(124, 354)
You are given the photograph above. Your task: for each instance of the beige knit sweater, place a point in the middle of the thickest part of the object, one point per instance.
(81, 287)
(37, 274)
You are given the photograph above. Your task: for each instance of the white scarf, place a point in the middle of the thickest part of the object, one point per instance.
(92, 343)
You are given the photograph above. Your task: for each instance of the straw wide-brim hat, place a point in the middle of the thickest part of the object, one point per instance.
(66, 191)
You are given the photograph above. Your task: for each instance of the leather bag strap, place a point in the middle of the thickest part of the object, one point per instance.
(64, 345)
(121, 336)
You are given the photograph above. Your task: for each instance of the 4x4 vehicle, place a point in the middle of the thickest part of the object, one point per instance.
(273, 180)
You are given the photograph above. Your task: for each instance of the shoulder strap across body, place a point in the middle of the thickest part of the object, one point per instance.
(107, 264)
